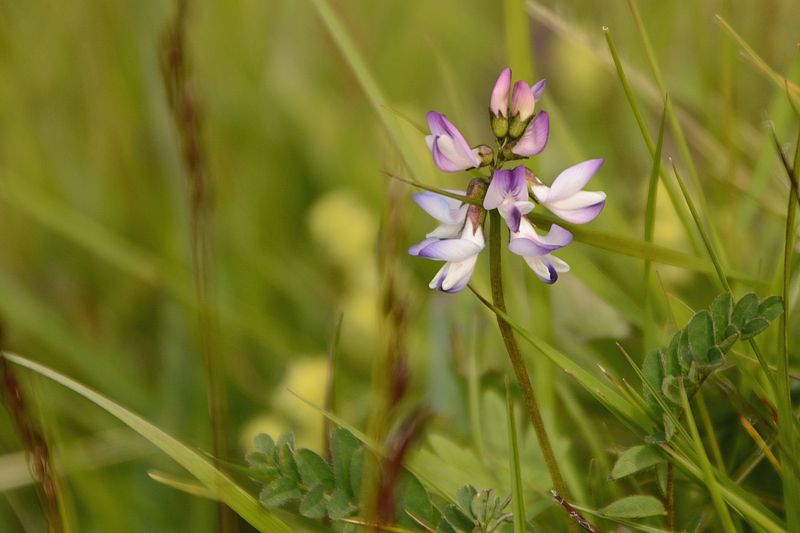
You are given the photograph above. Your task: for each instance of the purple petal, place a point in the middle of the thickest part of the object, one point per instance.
(532, 244)
(573, 179)
(414, 250)
(449, 250)
(436, 123)
(538, 89)
(580, 214)
(498, 104)
(506, 184)
(522, 101)
(512, 213)
(451, 152)
(535, 137)
(547, 267)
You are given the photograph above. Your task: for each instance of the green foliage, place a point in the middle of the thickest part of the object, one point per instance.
(634, 507)
(636, 459)
(299, 480)
(700, 347)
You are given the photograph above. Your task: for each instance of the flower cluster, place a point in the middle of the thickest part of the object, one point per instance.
(519, 133)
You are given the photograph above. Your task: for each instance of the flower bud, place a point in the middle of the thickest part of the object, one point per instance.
(499, 126)
(522, 106)
(498, 105)
(485, 154)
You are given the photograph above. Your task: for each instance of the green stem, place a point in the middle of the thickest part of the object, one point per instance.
(514, 353)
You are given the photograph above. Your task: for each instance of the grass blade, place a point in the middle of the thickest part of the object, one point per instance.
(758, 62)
(649, 229)
(518, 501)
(708, 475)
(217, 482)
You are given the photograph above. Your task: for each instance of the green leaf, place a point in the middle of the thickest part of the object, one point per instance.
(465, 495)
(745, 309)
(445, 527)
(700, 335)
(634, 507)
(356, 471)
(339, 505)
(684, 352)
(721, 309)
(414, 499)
(280, 492)
(754, 327)
(672, 366)
(671, 387)
(313, 504)
(264, 444)
(653, 371)
(343, 446)
(458, 519)
(286, 462)
(218, 482)
(771, 308)
(636, 459)
(314, 470)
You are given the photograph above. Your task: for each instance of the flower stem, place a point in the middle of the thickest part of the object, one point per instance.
(514, 353)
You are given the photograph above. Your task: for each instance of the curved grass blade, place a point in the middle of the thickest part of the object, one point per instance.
(217, 482)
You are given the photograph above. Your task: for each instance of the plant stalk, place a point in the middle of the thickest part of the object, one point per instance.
(514, 353)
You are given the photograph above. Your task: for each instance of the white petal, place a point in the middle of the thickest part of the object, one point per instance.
(573, 179)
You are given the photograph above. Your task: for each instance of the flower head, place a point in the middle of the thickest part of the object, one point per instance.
(451, 153)
(508, 193)
(535, 137)
(566, 199)
(536, 249)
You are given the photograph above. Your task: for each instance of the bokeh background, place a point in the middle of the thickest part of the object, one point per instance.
(95, 259)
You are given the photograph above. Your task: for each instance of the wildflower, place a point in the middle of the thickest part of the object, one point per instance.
(535, 249)
(520, 133)
(508, 193)
(566, 199)
(535, 137)
(457, 240)
(451, 153)
(460, 255)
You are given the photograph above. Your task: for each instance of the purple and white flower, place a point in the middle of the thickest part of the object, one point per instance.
(536, 249)
(534, 140)
(460, 256)
(508, 193)
(451, 153)
(566, 197)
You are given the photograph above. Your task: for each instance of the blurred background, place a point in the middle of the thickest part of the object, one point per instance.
(95, 261)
